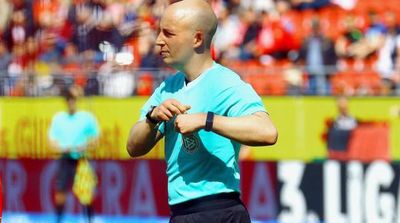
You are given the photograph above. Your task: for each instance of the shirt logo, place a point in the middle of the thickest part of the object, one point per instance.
(190, 143)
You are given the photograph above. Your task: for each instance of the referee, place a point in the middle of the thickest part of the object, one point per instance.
(204, 112)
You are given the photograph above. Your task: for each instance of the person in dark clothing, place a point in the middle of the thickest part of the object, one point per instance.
(317, 54)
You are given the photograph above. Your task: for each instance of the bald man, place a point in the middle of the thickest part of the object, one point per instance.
(204, 112)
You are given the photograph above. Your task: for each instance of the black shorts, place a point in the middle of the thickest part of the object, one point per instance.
(219, 208)
(65, 173)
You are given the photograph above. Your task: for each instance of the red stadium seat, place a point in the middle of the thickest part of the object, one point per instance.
(145, 84)
(267, 84)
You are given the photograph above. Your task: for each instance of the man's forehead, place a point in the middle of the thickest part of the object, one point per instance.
(176, 17)
(167, 25)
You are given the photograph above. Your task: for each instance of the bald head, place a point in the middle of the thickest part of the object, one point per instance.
(196, 14)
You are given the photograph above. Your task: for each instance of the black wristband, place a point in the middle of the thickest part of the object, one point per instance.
(209, 121)
(148, 116)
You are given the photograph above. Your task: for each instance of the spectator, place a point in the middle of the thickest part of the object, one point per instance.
(225, 43)
(350, 41)
(16, 71)
(18, 30)
(105, 33)
(252, 22)
(145, 40)
(31, 54)
(318, 55)
(340, 131)
(388, 54)
(5, 15)
(25, 6)
(275, 38)
(5, 60)
(344, 121)
(72, 65)
(117, 80)
(79, 16)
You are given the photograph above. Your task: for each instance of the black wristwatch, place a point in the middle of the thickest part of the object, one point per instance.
(148, 116)
(209, 121)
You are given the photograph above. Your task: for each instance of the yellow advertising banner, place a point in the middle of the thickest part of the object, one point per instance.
(24, 125)
(301, 122)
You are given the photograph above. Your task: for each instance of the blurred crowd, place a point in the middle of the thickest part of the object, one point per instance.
(312, 47)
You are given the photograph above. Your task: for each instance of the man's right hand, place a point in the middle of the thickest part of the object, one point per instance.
(168, 109)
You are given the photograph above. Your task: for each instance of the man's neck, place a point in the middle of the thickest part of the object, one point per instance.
(196, 67)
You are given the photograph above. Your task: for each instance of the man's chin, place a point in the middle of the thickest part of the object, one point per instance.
(168, 61)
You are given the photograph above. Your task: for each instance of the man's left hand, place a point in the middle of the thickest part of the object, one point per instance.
(189, 123)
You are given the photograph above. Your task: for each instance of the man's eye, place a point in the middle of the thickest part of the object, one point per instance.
(168, 34)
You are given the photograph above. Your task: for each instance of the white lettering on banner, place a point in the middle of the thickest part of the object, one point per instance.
(379, 208)
(142, 199)
(332, 193)
(355, 191)
(112, 187)
(48, 173)
(291, 173)
(262, 202)
(15, 182)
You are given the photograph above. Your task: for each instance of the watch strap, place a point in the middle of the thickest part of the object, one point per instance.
(148, 116)
(209, 121)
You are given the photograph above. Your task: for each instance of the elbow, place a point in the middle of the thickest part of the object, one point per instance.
(133, 151)
(266, 132)
(269, 137)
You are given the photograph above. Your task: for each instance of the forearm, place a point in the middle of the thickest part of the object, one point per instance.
(142, 138)
(252, 130)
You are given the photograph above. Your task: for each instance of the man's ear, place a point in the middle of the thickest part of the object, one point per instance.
(198, 39)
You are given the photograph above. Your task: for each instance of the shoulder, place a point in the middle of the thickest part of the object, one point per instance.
(60, 116)
(85, 114)
(226, 77)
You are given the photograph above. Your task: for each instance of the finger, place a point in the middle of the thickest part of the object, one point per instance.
(187, 107)
(180, 108)
(163, 117)
(176, 126)
(174, 109)
(184, 108)
(166, 111)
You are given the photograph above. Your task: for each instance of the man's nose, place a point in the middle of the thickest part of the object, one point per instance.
(159, 41)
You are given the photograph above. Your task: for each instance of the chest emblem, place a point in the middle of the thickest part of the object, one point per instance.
(190, 143)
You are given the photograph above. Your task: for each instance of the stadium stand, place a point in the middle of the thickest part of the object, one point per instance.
(45, 45)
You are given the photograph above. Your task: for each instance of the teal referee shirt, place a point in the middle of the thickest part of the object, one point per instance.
(73, 131)
(203, 163)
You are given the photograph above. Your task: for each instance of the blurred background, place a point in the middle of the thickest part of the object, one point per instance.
(328, 72)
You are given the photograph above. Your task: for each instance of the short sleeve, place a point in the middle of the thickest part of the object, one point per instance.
(53, 133)
(242, 100)
(93, 127)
